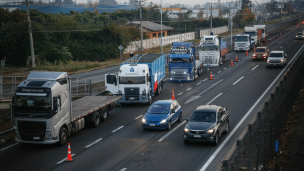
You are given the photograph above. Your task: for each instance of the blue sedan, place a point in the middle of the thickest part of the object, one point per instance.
(162, 114)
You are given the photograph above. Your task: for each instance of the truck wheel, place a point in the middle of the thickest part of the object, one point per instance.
(149, 100)
(105, 115)
(96, 119)
(158, 90)
(63, 136)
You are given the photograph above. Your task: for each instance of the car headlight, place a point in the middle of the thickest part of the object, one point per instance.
(210, 131)
(186, 130)
(264, 55)
(267, 60)
(164, 121)
(254, 54)
(282, 60)
(143, 120)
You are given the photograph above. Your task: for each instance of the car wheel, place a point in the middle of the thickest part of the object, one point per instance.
(169, 125)
(227, 128)
(96, 121)
(180, 117)
(215, 143)
(186, 142)
(63, 135)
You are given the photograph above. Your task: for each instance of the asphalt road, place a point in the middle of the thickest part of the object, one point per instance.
(240, 88)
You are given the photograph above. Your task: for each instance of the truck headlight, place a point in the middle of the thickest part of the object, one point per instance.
(163, 121)
(185, 72)
(48, 135)
(210, 131)
(186, 130)
(144, 94)
(143, 120)
(17, 133)
(119, 93)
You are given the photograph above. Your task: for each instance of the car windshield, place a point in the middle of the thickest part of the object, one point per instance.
(159, 109)
(180, 60)
(32, 103)
(300, 34)
(276, 55)
(260, 50)
(131, 80)
(241, 38)
(208, 48)
(203, 117)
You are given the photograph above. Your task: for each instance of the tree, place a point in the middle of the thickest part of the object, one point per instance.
(200, 14)
(248, 16)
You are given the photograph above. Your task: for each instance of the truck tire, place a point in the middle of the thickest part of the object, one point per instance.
(105, 114)
(149, 100)
(158, 90)
(96, 119)
(63, 136)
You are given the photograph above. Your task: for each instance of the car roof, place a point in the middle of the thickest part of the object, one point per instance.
(164, 101)
(207, 108)
(300, 32)
(276, 51)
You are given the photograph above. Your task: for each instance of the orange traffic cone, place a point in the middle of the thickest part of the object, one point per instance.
(246, 52)
(280, 34)
(254, 48)
(173, 95)
(261, 44)
(231, 62)
(236, 60)
(270, 40)
(69, 159)
(211, 78)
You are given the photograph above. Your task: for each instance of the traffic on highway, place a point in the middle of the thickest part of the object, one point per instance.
(187, 119)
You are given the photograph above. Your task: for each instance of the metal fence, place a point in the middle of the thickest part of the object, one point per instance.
(8, 85)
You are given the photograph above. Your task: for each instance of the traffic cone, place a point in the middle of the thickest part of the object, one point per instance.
(266, 42)
(280, 34)
(246, 52)
(173, 95)
(69, 159)
(254, 48)
(261, 44)
(236, 60)
(273, 37)
(211, 78)
(231, 62)
(270, 40)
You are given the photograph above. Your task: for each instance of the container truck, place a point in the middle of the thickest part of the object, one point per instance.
(183, 66)
(242, 42)
(45, 114)
(212, 50)
(139, 78)
(262, 29)
(256, 35)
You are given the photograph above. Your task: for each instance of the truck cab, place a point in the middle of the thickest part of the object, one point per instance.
(242, 42)
(263, 31)
(253, 32)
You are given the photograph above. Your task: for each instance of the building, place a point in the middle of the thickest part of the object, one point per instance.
(107, 2)
(153, 30)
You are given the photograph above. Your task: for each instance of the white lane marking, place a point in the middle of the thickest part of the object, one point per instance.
(171, 131)
(245, 117)
(138, 117)
(205, 79)
(180, 93)
(214, 98)
(213, 75)
(254, 67)
(123, 169)
(219, 72)
(225, 68)
(9, 146)
(287, 43)
(118, 129)
(192, 99)
(93, 143)
(199, 83)
(210, 87)
(188, 89)
(64, 159)
(230, 53)
(238, 80)
(281, 47)
(165, 79)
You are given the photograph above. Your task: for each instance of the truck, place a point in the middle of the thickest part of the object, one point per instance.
(139, 78)
(212, 50)
(242, 42)
(263, 32)
(183, 66)
(256, 35)
(45, 114)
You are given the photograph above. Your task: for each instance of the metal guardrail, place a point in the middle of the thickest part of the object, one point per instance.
(7, 132)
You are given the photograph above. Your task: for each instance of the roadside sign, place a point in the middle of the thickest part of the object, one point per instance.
(276, 146)
(120, 47)
(2, 63)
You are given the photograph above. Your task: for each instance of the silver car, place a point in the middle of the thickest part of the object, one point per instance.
(277, 59)
(300, 35)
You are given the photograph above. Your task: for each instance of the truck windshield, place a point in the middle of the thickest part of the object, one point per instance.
(241, 38)
(132, 80)
(180, 60)
(208, 48)
(32, 103)
(250, 33)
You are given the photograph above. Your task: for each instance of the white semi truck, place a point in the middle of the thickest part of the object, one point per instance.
(44, 112)
(212, 50)
(242, 42)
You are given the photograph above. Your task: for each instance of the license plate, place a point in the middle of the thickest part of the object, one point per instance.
(151, 124)
(197, 136)
(36, 138)
(241, 48)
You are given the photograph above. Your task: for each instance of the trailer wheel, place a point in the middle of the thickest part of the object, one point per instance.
(63, 136)
(105, 114)
(96, 119)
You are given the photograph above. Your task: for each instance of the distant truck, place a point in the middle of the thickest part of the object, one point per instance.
(263, 30)
(242, 42)
(183, 66)
(44, 112)
(256, 35)
(212, 50)
(139, 78)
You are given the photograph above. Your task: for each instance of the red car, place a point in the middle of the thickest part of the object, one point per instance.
(261, 53)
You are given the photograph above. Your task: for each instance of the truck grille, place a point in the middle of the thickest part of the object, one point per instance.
(31, 131)
(179, 74)
(208, 60)
(132, 94)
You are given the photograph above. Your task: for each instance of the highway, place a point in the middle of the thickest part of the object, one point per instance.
(120, 143)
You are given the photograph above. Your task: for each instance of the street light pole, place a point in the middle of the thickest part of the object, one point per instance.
(161, 25)
(31, 35)
(211, 19)
(230, 18)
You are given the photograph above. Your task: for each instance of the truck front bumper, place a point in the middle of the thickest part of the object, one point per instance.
(172, 80)
(136, 99)
(37, 142)
(241, 48)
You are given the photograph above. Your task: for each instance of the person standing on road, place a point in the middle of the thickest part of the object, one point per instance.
(131, 54)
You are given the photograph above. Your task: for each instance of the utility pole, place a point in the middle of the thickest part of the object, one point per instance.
(30, 33)
(141, 34)
(231, 22)
(161, 25)
(211, 19)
